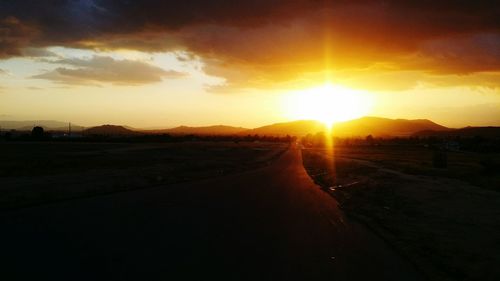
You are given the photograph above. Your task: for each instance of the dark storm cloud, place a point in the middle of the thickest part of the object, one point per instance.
(67, 20)
(461, 54)
(14, 35)
(267, 36)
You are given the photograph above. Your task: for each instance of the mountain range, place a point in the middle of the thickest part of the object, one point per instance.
(376, 126)
(209, 130)
(382, 127)
(111, 130)
(50, 125)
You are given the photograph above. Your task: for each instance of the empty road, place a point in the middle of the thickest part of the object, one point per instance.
(272, 223)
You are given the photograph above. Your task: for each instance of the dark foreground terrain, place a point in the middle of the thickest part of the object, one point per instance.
(39, 172)
(271, 223)
(446, 220)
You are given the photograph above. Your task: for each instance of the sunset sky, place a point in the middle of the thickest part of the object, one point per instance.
(249, 63)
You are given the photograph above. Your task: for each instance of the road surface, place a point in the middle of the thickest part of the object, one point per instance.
(272, 223)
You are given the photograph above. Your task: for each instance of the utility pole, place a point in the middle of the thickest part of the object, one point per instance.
(69, 130)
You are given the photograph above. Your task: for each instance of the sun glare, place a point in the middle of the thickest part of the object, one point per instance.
(328, 104)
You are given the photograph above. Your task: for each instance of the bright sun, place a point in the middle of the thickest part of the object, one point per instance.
(328, 104)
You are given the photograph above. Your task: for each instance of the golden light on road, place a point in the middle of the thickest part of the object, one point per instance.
(328, 104)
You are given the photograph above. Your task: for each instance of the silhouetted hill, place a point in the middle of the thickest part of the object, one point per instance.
(487, 132)
(376, 126)
(295, 128)
(381, 127)
(48, 125)
(110, 130)
(209, 130)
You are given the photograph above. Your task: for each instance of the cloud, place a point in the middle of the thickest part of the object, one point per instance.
(102, 69)
(37, 52)
(262, 42)
(461, 54)
(14, 35)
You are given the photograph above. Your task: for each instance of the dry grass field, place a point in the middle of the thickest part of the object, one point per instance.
(446, 221)
(33, 173)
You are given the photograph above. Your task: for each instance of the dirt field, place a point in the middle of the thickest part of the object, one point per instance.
(34, 173)
(447, 221)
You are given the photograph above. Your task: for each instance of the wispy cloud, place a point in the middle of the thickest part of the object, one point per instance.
(103, 69)
(37, 52)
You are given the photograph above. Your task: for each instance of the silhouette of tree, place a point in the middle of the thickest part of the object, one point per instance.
(319, 139)
(370, 140)
(37, 132)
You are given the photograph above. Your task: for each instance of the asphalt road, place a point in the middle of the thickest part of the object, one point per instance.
(272, 223)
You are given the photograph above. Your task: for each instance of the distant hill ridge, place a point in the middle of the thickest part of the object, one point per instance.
(382, 127)
(359, 127)
(376, 126)
(207, 130)
(112, 130)
(48, 125)
(294, 128)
